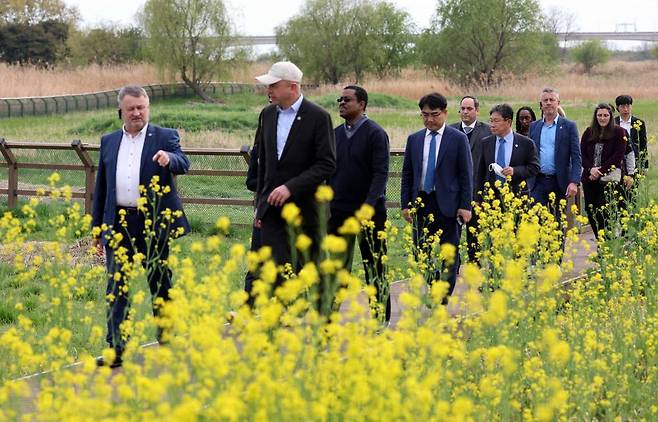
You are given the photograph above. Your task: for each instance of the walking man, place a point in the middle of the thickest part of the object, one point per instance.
(129, 159)
(438, 170)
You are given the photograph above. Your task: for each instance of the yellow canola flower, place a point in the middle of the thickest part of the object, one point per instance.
(303, 242)
(365, 213)
(224, 224)
(334, 244)
(324, 193)
(351, 226)
(291, 214)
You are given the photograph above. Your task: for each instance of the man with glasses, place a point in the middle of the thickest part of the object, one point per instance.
(296, 153)
(362, 156)
(514, 153)
(437, 171)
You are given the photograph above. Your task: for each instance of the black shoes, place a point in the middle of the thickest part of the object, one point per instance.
(117, 363)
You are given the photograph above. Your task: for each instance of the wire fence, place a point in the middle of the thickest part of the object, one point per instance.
(214, 186)
(39, 106)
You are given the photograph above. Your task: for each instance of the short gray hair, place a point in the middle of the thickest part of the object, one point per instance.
(133, 91)
(549, 90)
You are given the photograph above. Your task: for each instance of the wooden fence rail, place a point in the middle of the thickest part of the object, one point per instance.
(89, 166)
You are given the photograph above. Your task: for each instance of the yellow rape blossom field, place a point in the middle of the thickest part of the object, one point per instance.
(526, 346)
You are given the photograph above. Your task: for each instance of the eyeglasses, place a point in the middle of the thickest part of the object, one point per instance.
(498, 120)
(344, 99)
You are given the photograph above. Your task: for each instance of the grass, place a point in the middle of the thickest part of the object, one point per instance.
(234, 121)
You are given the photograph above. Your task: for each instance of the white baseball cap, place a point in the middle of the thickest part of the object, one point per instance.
(281, 71)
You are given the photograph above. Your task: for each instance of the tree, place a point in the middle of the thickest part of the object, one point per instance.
(479, 41)
(31, 12)
(191, 38)
(40, 44)
(392, 38)
(107, 45)
(562, 23)
(590, 53)
(332, 38)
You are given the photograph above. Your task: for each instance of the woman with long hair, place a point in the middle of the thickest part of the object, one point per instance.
(602, 147)
(524, 116)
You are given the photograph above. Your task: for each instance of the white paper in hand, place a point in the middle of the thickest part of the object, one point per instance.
(496, 168)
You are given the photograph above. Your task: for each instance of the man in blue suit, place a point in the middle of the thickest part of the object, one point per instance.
(437, 169)
(558, 145)
(129, 159)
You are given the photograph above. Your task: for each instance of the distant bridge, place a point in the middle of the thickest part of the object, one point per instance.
(609, 36)
(568, 36)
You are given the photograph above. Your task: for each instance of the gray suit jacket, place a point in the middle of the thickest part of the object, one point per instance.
(480, 131)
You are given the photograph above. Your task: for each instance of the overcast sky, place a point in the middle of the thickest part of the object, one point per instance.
(260, 17)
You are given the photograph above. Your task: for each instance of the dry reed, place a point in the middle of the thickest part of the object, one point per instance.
(635, 78)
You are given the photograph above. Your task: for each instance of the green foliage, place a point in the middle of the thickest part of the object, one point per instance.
(480, 41)
(331, 39)
(190, 38)
(107, 45)
(41, 44)
(590, 53)
(31, 12)
(191, 119)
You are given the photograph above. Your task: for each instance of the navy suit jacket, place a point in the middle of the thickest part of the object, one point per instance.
(454, 170)
(157, 138)
(568, 161)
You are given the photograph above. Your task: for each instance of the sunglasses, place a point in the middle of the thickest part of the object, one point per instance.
(344, 99)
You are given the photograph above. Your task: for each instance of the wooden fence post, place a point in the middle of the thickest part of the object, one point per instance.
(244, 151)
(90, 172)
(12, 182)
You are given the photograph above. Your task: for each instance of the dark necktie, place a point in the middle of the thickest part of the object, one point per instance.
(500, 157)
(428, 186)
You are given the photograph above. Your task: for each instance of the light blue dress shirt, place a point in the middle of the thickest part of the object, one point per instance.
(509, 144)
(547, 147)
(284, 122)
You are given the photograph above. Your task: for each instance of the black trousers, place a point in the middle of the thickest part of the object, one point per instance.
(158, 276)
(372, 248)
(450, 233)
(472, 244)
(599, 210)
(275, 234)
(251, 277)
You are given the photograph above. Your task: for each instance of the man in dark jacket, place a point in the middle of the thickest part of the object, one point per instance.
(130, 158)
(362, 156)
(514, 153)
(296, 153)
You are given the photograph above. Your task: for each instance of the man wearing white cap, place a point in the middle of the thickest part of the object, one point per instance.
(296, 153)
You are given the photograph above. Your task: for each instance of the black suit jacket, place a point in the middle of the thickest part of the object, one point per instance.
(308, 158)
(480, 131)
(524, 161)
(638, 141)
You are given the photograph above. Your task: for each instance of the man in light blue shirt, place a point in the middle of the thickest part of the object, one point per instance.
(558, 143)
(286, 117)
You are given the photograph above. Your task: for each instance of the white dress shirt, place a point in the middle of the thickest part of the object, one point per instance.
(284, 122)
(426, 152)
(472, 126)
(626, 124)
(128, 165)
